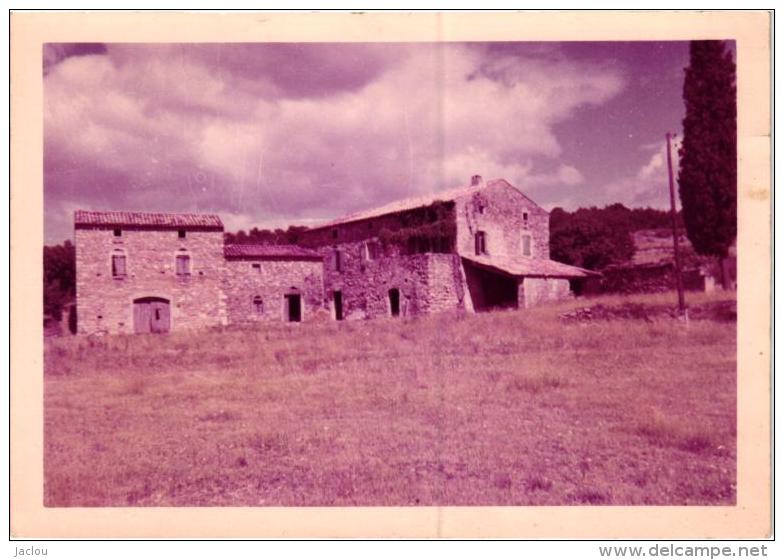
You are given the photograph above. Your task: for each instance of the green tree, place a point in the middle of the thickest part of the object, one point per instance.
(707, 179)
(592, 238)
(59, 278)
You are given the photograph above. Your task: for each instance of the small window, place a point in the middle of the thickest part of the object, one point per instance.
(525, 220)
(183, 265)
(526, 245)
(118, 266)
(181, 233)
(479, 243)
(371, 250)
(256, 267)
(117, 232)
(258, 305)
(338, 258)
(480, 208)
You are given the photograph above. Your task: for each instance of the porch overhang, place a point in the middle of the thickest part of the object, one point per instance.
(522, 267)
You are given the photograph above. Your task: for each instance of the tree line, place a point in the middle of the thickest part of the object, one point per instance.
(595, 238)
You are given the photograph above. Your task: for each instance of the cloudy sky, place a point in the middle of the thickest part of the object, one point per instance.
(270, 135)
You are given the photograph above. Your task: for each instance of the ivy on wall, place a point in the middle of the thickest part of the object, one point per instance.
(428, 229)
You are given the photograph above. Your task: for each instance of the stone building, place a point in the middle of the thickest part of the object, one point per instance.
(141, 272)
(272, 283)
(474, 249)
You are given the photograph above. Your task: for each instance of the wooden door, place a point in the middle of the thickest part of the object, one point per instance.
(159, 317)
(151, 315)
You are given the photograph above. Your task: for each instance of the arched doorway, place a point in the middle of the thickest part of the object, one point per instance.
(151, 315)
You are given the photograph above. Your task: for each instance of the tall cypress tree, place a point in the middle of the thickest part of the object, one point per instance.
(708, 173)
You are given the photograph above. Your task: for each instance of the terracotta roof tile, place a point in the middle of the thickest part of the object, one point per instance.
(269, 251)
(146, 219)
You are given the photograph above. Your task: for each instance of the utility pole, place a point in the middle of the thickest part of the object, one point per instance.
(674, 216)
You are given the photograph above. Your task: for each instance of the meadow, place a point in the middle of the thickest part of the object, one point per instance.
(504, 408)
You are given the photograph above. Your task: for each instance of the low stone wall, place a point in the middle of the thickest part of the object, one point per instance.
(535, 291)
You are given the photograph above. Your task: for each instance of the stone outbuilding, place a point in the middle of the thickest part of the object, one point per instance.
(272, 283)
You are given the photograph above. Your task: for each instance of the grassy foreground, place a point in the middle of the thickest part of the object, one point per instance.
(507, 408)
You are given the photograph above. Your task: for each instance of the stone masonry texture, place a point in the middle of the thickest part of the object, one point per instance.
(425, 256)
(105, 303)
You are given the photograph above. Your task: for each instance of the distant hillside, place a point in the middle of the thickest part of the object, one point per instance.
(596, 238)
(655, 246)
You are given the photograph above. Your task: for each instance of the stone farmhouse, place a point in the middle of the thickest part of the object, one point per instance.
(477, 248)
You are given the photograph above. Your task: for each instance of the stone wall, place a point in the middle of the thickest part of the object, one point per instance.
(500, 211)
(426, 282)
(270, 281)
(105, 303)
(446, 284)
(365, 284)
(535, 291)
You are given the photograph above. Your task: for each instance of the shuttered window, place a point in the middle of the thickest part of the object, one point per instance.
(338, 260)
(183, 265)
(526, 245)
(258, 305)
(372, 250)
(118, 266)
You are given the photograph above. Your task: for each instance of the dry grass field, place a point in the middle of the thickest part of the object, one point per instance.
(506, 408)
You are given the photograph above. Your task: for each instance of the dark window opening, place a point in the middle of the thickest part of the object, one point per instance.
(293, 308)
(394, 302)
(525, 219)
(117, 232)
(258, 305)
(480, 208)
(337, 299)
(181, 233)
(256, 266)
(118, 266)
(479, 243)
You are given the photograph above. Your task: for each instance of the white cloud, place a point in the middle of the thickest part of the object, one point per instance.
(176, 122)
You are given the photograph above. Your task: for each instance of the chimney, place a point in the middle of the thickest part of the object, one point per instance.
(476, 181)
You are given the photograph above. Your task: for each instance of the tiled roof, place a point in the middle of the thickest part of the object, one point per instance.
(416, 202)
(522, 266)
(269, 251)
(146, 219)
